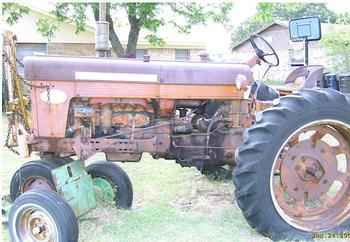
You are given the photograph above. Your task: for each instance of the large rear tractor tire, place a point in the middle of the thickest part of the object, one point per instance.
(292, 176)
(111, 183)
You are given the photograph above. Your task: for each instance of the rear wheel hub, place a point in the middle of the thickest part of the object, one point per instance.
(309, 170)
(310, 182)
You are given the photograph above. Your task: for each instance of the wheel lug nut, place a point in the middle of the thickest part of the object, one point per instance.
(318, 174)
(36, 230)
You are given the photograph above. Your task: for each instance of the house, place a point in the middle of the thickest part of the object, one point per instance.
(277, 34)
(66, 42)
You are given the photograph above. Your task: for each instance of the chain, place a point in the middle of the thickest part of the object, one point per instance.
(9, 125)
(7, 141)
(15, 78)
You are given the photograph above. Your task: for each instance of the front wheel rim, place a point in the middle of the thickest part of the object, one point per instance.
(309, 180)
(34, 224)
(104, 189)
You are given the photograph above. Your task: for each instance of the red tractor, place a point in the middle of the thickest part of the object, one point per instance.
(290, 154)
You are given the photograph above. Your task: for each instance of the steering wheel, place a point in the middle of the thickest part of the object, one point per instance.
(262, 54)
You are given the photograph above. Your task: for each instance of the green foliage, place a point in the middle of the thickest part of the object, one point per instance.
(13, 11)
(47, 27)
(193, 14)
(343, 18)
(269, 12)
(286, 11)
(155, 40)
(338, 47)
(72, 13)
(79, 16)
(61, 11)
(249, 27)
(264, 12)
(149, 19)
(144, 15)
(220, 12)
(148, 16)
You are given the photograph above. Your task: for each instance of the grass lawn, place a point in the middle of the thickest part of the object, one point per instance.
(170, 204)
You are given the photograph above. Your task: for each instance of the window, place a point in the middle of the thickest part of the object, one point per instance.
(28, 49)
(182, 54)
(140, 53)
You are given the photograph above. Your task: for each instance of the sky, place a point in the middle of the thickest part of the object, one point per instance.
(339, 6)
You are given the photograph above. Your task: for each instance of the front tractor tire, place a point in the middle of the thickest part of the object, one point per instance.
(112, 184)
(36, 175)
(33, 175)
(39, 215)
(292, 176)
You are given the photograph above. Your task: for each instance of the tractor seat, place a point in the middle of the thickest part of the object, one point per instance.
(263, 92)
(53, 68)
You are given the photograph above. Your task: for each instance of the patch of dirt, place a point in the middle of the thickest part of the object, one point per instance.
(204, 196)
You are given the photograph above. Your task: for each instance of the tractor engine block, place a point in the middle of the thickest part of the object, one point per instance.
(107, 116)
(192, 132)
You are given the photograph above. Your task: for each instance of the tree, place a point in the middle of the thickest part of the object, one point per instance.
(267, 13)
(148, 16)
(13, 12)
(248, 27)
(286, 11)
(338, 47)
(343, 18)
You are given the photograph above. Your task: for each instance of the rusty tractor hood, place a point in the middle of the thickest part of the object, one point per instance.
(53, 68)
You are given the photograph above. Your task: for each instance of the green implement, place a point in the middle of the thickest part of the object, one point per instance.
(75, 186)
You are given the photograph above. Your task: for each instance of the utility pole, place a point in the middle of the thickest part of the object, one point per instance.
(102, 33)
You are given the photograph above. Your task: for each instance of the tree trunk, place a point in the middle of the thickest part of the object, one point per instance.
(113, 37)
(132, 41)
(135, 27)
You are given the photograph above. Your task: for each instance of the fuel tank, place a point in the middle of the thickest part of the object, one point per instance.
(132, 70)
